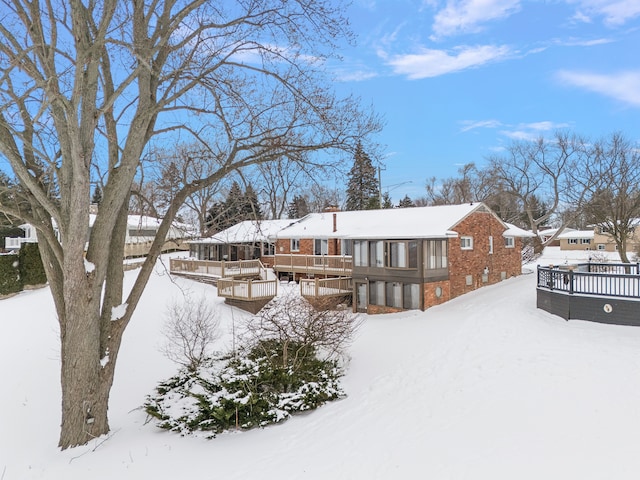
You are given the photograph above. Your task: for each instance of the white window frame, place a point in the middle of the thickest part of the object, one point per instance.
(295, 245)
(466, 243)
(573, 241)
(602, 246)
(585, 241)
(509, 242)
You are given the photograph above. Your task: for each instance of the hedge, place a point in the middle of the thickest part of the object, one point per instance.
(30, 264)
(10, 281)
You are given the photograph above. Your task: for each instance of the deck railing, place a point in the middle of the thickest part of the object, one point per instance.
(214, 268)
(247, 289)
(321, 264)
(606, 279)
(326, 287)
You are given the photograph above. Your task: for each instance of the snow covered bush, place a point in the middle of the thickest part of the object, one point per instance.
(244, 391)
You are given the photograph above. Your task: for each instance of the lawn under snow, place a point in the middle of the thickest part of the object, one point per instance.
(483, 387)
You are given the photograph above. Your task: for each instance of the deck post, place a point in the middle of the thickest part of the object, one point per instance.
(571, 277)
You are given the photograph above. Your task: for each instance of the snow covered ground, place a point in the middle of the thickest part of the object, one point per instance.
(483, 387)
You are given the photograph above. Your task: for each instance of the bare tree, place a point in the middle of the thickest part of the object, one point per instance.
(190, 329)
(542, 172)
(614, 203)
(86, 83)
(302, 328)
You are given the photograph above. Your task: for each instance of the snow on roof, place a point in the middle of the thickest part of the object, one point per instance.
(415, 222)
(248, 231)
(513, 231)
(576, 234)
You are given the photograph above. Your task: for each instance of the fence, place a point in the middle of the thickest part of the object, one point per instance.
(247, 289)
(214, 268)
(606, 279)
(326, 287)
(321, 264)
(604, 293)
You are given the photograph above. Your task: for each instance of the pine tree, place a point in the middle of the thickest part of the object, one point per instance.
(298, 207)
(406, 202)
(363, 192)
(386, 201)
(250, 207)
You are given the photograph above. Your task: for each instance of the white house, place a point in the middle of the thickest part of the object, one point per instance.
(30, 236)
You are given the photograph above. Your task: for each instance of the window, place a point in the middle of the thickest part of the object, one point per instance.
(346, 247)
(394, 294)
(295, 244)
(490, 244)
(586, 241)
(320, 246)
(573, 241)
(435, 254)
(411, 298)
(601, 246)
(376, 254)
(396, 255)
(509, 242)
(466, 243)
(401, 254)
(376, 293)
(360, 253)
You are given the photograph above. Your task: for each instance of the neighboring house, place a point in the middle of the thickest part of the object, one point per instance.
(576, 240)
(30, 236)
(141, 230)
(247, 240)
(596, 239)
(548, 233)
(411, 258)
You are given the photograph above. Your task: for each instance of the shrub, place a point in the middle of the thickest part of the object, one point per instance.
(243, 392)
(10, 281)
(31, 268)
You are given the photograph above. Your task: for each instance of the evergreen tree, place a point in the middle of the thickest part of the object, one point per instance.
(298, 207)
(363, 192)
(406, 202)
(250, 207)
(169, 184)
(386, 201)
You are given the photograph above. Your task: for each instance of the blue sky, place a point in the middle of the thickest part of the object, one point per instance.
(458, 81)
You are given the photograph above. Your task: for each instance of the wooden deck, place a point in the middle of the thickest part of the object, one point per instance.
(327, 265)
(241, 268)
(604, 293)
(326, 287)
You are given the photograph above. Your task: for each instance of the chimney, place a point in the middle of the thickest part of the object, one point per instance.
(335, 222)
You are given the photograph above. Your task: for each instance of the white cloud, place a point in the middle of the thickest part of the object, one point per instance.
(615, 12)
(623, 86)
(468, 125)
(465, 16)
(532, 131)
(432, 63)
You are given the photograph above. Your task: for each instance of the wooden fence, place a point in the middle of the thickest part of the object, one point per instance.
(318, 264)
(247, 289)
(218, 269)
(326, 287)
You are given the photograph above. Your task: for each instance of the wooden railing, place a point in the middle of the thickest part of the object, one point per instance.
(607, 279)
(326, 287)
(247, 289)
(323, 264)
(214, 268)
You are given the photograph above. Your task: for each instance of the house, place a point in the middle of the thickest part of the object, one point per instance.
(12, 244)
(596, 239)
(399, 259)
(247, 240)
(576, 240)
(141, 230)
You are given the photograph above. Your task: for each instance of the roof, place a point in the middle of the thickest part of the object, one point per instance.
(248, 231)
(576, 234)
(513, 231)
(400, 223)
